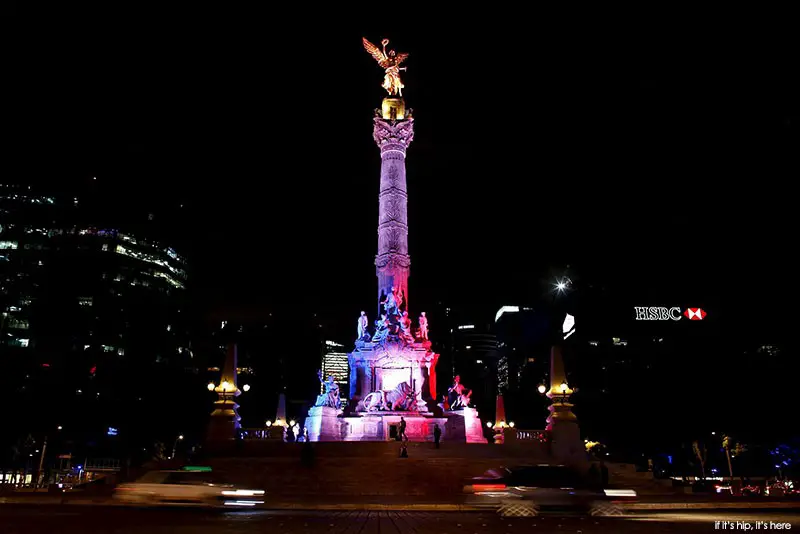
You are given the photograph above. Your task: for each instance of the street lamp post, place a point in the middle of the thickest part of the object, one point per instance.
(39, 473)
(175, 446)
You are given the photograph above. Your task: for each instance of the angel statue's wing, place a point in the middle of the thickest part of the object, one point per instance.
(399, 58)
(376, 52)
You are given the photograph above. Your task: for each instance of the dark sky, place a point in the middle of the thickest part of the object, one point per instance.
(655, 160)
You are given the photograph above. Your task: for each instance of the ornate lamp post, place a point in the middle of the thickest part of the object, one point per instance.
(224, 424)
(562, 425)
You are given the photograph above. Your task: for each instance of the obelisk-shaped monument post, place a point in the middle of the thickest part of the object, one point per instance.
(393, 131)
(224, 423)
(566, 444)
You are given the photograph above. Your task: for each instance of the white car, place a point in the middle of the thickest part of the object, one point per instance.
(185, 488)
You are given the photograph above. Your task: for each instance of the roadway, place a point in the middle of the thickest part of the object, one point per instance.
(33, 519)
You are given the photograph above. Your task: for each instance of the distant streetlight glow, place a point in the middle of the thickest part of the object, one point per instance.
(564, 387)
(269, 423)
(225, 385)
(488, 424)
(211, 386)
(542, 388)
(180, 437)
(246, 387)
(561, 286)
(511, 424)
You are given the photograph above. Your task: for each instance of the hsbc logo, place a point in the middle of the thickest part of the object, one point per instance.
(695, 314)
(644, 313)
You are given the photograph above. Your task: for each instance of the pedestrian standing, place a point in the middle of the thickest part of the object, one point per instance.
(437, 435)
(402, 434)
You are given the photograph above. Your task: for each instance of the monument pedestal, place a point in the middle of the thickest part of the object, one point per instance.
(465, 426)
(385, 426)
(566, 445)
(386, 365)
(324, 424)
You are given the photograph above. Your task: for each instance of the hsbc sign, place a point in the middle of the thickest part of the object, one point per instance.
(644, 313)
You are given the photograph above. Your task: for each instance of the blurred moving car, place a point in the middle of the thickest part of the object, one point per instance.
(185, 488)
(534, 489)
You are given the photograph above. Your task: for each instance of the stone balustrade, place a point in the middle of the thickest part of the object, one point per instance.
(274, 433)
(530, 435)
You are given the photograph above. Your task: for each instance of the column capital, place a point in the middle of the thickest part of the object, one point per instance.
(393, 136)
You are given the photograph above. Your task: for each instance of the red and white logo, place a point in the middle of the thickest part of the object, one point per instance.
(695, 314)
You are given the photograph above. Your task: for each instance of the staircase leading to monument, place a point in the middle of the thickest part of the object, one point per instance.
(369, 468)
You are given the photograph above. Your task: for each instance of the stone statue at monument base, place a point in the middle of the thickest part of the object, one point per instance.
(458, 396)
(330, 398)
(363, 327)
(423, 327)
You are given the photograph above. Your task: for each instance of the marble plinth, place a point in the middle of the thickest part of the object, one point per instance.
(323, 424)
(458, 426)
(378, 427)
(465, 425)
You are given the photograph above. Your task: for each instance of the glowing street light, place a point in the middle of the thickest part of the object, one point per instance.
(488, 424)
(563, 284)
(269, 424)
(211, 386)
(292, 423)
(225, 385)
(511, 424)
(175, 446)
(542, 388)
(564, 387)
(60, 427)
(246, 387)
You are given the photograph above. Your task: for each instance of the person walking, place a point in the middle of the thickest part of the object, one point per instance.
(402, 433)
(437, 435)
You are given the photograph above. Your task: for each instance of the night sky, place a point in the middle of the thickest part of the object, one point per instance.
(657, 162)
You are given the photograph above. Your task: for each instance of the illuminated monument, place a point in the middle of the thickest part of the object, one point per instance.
(392, 369)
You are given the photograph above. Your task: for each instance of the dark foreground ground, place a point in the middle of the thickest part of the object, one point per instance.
(32, 519)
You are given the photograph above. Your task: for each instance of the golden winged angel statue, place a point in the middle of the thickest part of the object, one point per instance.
(390, 62)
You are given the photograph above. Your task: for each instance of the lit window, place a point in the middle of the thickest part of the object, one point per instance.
(478, 361)
(85, 301)
(9, 245)
(150, 258)
(466, 327)
(468, 347)
(531, 360)
(120, 352)
(19, 324)
(105, 247)
(24, 342)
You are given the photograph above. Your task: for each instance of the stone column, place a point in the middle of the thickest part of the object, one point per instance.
(392, 261)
